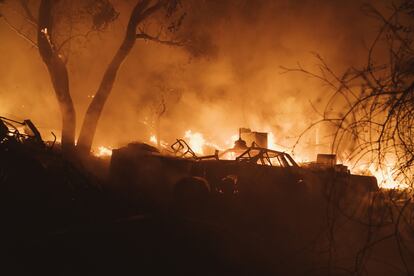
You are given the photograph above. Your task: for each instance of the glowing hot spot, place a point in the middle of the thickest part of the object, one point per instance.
(103, 151)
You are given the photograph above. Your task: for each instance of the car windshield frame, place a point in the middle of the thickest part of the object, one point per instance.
(266, 157)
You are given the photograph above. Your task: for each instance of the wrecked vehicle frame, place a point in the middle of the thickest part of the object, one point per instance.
(254, 176)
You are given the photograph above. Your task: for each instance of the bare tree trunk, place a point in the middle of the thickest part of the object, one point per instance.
(140, 12)
(58, 74)
(96, 106)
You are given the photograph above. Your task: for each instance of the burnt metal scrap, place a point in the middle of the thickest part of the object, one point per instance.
(23, 132)
(38, 185)
(256, 193)
(153, 178)
(253, 154)
(181, 149)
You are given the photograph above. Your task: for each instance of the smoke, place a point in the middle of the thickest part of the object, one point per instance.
(227, 76)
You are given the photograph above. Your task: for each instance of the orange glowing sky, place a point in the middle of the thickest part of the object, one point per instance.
(233, 79)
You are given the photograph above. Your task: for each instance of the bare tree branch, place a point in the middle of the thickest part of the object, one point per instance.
(29, 15)
(157, 39)
(19, 33)
(58, 74)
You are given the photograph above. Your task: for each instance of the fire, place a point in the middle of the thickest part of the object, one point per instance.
(385, 177)
(154, 140)
(230, 142)
(196, 141)
(201, 146)
(103, 152)
(271, 142)
(384, 173)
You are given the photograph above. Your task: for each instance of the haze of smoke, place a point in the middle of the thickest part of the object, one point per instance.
(229, 78)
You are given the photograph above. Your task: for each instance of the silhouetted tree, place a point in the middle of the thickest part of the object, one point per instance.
(52, 39)
(140, 13)
(376, 110)
(372, 111)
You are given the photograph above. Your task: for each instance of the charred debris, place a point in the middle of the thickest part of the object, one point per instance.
(40, 183)
(248, 171)
(148, 179)
(213, 210)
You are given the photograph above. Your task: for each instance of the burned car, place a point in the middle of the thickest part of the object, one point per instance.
(258, 204)
(243, 177)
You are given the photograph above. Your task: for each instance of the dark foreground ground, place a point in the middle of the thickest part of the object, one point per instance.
(58, 219)
(137, 246)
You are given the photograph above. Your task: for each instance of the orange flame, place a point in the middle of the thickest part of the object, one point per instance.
(103, 152)
(199, 144)
(196, 141)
